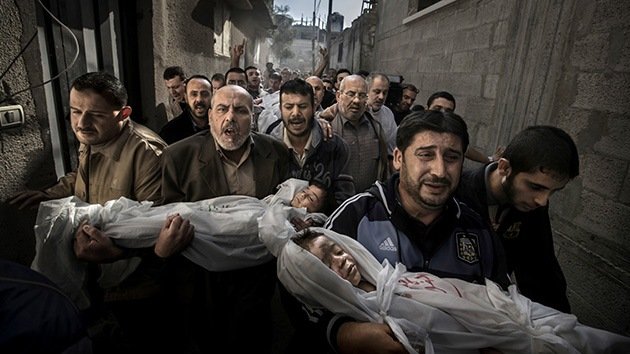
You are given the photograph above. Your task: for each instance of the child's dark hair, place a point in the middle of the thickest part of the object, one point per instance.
(304, 238)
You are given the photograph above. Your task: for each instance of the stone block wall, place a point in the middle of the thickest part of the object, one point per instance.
(459, 48)
(511, 64)
(592, 103)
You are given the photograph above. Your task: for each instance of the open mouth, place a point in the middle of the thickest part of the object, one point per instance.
(230, 131)
(297, 121)
(351, 269)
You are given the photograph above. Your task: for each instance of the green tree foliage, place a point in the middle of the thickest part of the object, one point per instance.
(282, 36)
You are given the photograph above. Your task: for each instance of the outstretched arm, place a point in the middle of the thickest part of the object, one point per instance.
(323, 64)
(236, 52)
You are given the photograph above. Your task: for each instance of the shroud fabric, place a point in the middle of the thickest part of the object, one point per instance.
(226, 234)
(440, 315)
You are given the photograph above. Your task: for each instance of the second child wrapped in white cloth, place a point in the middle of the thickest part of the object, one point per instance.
(439, 315)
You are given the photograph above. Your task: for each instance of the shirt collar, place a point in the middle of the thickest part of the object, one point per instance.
(309, 142)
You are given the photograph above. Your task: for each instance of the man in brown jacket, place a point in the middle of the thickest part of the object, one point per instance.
(117, 157)
(228, 309)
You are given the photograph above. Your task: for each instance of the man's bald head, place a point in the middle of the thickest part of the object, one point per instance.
(352, 97)
(231, 116)
(318, 89)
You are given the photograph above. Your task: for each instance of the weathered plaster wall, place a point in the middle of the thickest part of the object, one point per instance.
(178, 39)
(25, 152)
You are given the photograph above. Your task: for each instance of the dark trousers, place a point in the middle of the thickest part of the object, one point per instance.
(229, 309)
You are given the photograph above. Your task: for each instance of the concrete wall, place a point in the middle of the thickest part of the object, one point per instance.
(511, 64)
(180, 40)
(357, 43)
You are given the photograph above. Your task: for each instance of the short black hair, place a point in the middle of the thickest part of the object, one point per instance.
(235, 69)
(441, 94)
(411, 87)
(299, 87)
(543, 148)
(417, 108)
(251, 67)
(173, 71)
(341, 71)
(435, 121)
(304, 238)
(218, 77)
(104, 84)
(198, 76)
(364, 73)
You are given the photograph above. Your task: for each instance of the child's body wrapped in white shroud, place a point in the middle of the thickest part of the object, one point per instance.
(226, 234)
(441, 315)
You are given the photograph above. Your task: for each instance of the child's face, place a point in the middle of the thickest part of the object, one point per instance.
(311, 198)
(335, 258)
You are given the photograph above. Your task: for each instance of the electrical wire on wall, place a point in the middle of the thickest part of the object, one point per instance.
(76, 56)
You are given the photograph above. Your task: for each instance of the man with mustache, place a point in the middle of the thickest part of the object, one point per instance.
(227, 307)
(513, 195)
(236, 76)
(117, 158)
(401, 105)
(363, 134)
(312, 158)
(414, 219)
(253, 82)
(174, 80)
(195, 117)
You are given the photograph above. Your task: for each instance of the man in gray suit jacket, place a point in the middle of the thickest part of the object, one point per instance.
(229, 309)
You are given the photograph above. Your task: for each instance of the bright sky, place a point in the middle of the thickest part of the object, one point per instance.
(350, 9)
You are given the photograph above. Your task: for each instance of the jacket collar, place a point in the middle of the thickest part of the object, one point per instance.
(387, 193)
(212, 172)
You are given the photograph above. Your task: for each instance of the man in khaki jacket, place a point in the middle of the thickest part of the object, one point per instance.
(117, 158)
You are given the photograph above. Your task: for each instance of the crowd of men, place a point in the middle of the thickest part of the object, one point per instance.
(393, 178)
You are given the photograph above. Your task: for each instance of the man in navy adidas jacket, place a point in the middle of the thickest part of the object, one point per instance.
(414, 219)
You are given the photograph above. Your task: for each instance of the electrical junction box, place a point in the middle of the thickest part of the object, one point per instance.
(11, 117)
